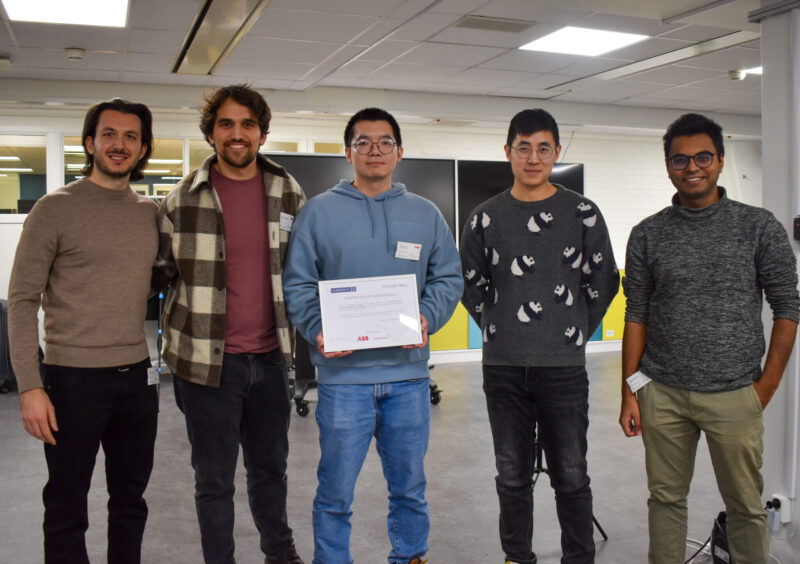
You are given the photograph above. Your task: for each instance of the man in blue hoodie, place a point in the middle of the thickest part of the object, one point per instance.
(361, 229)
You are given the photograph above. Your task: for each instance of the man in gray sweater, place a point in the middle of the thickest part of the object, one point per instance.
(539, 274)
(695, 276)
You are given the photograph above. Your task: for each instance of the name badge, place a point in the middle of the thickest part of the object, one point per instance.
(286, 221)
(408, 251)
(637, 381)
(153, 376)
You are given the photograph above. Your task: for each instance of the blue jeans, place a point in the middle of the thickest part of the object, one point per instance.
(557, 399)
(398, 415)
(250, 407)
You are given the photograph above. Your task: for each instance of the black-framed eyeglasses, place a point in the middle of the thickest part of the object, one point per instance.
(544, 152)
(703, 159)
(364, 146)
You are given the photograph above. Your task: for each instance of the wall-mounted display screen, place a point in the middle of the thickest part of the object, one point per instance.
(433, 179)
(480, 180)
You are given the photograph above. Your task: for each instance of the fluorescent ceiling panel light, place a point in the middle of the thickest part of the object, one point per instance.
(171, 177)
(105, 13)
(16, 170)
(73, 149)
(583, 41)
(12, 158)
(755, 70)
(74, 166)
(165, 161)
(156, 171)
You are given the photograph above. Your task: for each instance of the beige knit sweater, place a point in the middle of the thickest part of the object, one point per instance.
(85, 255)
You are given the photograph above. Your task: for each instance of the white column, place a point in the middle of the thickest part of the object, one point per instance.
(55, 160)
(780, 109)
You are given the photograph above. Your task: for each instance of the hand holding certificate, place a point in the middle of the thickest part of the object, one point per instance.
(366, 313)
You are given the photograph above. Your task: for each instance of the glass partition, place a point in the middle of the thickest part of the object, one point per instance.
(23, 173)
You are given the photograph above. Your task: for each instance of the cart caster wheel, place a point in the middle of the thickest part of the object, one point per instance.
(436, 397)
(302, 408)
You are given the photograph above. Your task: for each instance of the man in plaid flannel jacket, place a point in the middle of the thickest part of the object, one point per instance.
(223, 235)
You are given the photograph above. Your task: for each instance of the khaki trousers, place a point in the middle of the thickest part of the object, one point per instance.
(732, 421)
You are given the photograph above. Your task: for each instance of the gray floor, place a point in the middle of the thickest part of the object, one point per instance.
(460, 469)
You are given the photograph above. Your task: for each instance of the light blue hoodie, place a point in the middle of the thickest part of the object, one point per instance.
(344, 234)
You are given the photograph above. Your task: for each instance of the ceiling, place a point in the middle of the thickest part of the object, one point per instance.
(416, 45)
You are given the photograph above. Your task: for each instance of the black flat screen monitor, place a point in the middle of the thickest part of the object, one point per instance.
(480, 180)
(433, 179)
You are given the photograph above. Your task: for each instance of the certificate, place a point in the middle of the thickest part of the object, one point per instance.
(370, 313)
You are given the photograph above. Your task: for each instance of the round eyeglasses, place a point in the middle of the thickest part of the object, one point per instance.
(703, 159)
(364, 146)
(544, 152)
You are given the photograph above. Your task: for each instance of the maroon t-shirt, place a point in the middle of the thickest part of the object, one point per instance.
(249, 318)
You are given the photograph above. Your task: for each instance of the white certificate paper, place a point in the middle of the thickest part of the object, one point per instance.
(370, 313)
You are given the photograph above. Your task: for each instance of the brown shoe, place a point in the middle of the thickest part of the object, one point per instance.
(288, 556)
(417, 561)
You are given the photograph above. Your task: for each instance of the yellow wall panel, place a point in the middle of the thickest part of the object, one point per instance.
(614, 321)
(455, 334)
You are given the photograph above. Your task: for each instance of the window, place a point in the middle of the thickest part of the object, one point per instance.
(23, 175)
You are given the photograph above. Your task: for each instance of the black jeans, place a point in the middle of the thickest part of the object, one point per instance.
(557, 398)
(251, 407)
(116, 408)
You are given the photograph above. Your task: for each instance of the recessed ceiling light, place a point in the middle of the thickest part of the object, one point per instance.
(73, 149)
(156, 171)
(165, 161)
(583, 41)
(9, 158)
(105, 13)
(755, 70)
(74, 166)
(16, 170)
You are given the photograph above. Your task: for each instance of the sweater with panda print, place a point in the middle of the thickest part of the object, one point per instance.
(696, 279)
(538, 277)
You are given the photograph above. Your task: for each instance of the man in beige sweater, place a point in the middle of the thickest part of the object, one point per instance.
(85, 256)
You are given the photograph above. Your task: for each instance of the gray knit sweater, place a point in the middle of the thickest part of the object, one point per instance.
(538, 277)
(696, 279)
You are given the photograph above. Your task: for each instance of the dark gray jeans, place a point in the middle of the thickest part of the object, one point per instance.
(250, 407)
(557, 399)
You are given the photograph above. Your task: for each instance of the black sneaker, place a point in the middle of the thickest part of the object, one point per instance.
(289, 556)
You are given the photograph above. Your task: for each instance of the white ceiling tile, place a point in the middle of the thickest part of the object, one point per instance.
(675, 75)
(457, 6)
(358, 69)
(645, 102)
(623, 88)
(283, 50)
(648, 48)
(142, 62)
(161, 78)
(592, 66)
(67, 74)
(359, 7)
(532, 61)
(750, 110)
(749, 97)
(625, 24)
(517, 92)
(728, 59)
(56, 58)
(151, 41)
(493, 38)
(533, 10)
(51, 36)
(450, 88)
(689, 93)
(723, 82)
(448, 54)
(344, 54)
(492, 78)
(163, 14)
(589, 98)
(697, 33)
(388, 50)
(425, 26)
(544, 81)
(310, 25)
(402, 72)
(696, 106)
(376, 31)
(384, 84)
(268, 69)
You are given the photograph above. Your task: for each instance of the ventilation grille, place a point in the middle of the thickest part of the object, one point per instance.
(484, 23)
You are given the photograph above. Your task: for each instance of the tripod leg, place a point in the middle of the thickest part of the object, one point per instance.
(599, 528)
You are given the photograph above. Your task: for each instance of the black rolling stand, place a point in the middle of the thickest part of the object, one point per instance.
(539, 468)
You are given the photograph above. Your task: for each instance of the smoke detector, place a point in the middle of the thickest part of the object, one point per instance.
(75, 53)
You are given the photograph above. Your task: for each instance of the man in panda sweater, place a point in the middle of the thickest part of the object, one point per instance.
(539, 274)
(695, 277)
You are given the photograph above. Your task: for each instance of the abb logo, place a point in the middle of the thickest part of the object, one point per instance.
(363, 338)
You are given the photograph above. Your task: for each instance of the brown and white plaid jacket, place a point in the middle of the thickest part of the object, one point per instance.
(191, 259)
